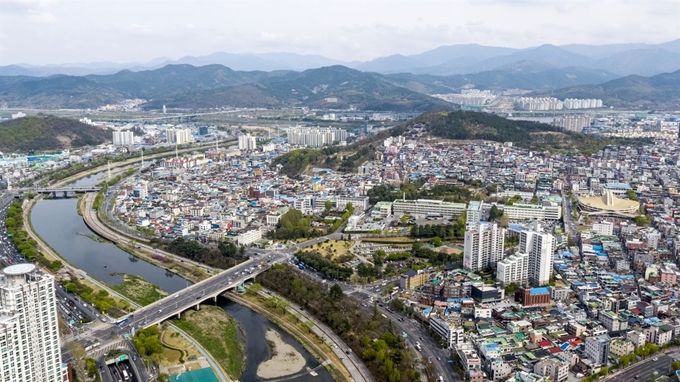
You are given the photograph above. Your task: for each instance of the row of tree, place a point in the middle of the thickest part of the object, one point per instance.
(367, 333)
(14, 223)
(224, 256)
(327, 267)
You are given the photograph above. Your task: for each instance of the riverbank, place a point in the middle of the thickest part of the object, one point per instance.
(184, 268)
(219, 334)
(284, 359)
(139, 290)
(293, 325)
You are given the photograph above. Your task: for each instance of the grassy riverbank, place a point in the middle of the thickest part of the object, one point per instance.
(219, 334)
(139, 290)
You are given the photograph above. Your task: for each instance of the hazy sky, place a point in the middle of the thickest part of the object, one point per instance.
(58, 31)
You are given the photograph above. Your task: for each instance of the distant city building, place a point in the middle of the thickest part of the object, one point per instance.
(246, 142)
(484, 245)
(469, 97)
(123, 138)
(29, 332)
(575, 103)
(179, 136)
(573, 122)
(538, 104)
(315, 136)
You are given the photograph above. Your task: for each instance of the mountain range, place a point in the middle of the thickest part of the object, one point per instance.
(619, 59)
(333, 87)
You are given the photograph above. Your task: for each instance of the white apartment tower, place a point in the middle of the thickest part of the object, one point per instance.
(474, 213)
(315, 137)
(29, 333)
(540, 247)
(246, 142)
(123, 138)
(179, 136)
(484, 244)
(513, 269)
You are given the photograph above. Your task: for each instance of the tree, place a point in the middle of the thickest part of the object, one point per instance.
(79, 356)
(676, 365)
(495, 213)
(328, 205)
(534, 199)
(336, 293)
(436, 241)
(505, 221)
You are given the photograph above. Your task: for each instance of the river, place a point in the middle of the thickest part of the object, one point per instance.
(58, 223)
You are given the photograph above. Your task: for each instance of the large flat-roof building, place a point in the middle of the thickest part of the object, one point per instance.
(522, 211)
(427, 207)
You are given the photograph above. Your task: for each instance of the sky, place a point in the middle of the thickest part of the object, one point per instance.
(41, 32)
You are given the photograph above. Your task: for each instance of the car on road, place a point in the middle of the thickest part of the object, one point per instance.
(655, 359)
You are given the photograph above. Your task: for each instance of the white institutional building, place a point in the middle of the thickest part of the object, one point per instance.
(29, 332)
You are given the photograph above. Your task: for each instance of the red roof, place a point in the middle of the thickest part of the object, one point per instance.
(554, 350)
(636, 311)
(575, 343)
(544, 343)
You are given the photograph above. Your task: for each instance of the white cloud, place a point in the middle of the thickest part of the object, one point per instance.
(140, 30)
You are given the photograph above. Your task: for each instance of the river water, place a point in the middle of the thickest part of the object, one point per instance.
(58, 223)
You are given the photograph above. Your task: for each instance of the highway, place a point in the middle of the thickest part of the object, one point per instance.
(643, 371)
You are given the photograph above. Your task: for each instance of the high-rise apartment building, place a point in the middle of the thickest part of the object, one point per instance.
(246, 142)
(474, 212)
(484, 244)
(179, 136)
(513, 269)
(29, 332)
(123, 138)
(315, 137)
(540, 247)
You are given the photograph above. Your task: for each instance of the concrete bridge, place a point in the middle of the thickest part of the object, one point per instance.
(61, 190)
(194, 295)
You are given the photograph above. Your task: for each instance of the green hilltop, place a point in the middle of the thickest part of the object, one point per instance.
(46, 132)
(466, 125)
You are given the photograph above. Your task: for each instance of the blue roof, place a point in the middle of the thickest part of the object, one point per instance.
(542, 290)
(564, 346)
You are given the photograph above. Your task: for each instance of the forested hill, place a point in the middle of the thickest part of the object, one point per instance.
(466, 125)
(46, 132)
